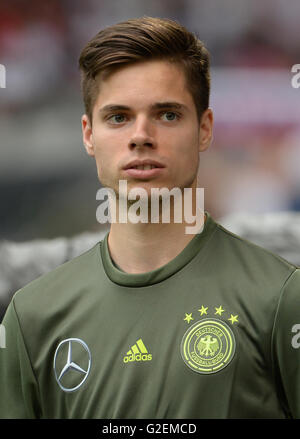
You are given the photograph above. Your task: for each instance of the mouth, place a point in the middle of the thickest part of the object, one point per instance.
(143, 165)
(143, 169)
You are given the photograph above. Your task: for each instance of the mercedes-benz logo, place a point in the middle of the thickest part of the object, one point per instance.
(71, 365)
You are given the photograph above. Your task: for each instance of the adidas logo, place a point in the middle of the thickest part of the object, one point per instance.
(138, 352)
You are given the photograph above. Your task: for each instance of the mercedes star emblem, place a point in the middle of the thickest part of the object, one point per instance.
(71, 365)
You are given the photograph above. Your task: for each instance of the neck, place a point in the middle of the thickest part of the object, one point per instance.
(143, 247)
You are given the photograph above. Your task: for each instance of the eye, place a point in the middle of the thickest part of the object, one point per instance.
(116, 118)
(170, 116)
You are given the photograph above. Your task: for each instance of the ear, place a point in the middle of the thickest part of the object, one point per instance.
(205, 130)
(87, 135)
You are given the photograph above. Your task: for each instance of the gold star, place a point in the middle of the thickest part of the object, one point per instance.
(203, 310)
(233, 318)
(219, 310)
(188, 317)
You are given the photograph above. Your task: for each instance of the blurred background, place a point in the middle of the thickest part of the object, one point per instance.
(48, 183)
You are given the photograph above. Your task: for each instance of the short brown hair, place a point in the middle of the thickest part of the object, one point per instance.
(144, 39)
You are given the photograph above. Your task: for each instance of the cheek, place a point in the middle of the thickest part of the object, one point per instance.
(106, 145)
(102, 149)
(189, 165)
(104, 164)
(188, 152)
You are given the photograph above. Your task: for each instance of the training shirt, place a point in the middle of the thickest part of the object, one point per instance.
(215, 333)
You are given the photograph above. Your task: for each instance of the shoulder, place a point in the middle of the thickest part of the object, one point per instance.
(279, 232)
(60, 286)
(250, 260)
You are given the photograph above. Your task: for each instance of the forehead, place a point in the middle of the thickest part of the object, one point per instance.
(143, 83)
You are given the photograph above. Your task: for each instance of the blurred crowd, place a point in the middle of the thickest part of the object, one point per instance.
(253, 163)
(40, 40)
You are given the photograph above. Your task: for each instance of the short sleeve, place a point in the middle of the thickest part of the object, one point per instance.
(18, 387)
(286, 346)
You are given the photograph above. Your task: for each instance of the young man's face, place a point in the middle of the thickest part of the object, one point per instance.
(144, 114)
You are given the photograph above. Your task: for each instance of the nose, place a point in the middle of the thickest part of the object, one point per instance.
(142, 134)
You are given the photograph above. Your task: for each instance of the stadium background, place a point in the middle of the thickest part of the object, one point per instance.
(48, 184)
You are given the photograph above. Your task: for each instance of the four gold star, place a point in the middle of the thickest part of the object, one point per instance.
(219, 310)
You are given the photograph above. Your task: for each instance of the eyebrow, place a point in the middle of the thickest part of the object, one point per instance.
(156, 106)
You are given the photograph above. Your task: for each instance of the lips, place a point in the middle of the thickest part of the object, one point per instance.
(143, 165)
(143, 169)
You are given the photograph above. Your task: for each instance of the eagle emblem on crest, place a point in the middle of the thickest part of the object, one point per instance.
(208, 346)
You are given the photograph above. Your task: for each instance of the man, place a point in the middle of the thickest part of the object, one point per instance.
(154, 322)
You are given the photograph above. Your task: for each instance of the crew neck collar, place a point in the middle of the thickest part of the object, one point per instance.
(195, 246)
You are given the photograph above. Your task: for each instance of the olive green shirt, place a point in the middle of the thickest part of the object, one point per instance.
(215, 333)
